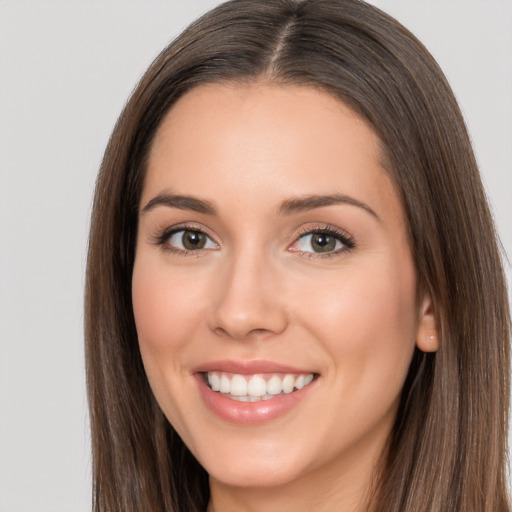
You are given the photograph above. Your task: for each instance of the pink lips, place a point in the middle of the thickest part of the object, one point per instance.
(249, 413)
(247, 367)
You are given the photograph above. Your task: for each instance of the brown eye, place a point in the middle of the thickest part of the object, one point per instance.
(193, 240)
(190, 240)
(321, 242)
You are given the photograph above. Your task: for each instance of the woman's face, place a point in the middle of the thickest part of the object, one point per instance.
(272, 255)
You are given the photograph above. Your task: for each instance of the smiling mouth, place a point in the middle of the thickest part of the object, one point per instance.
(257, 387)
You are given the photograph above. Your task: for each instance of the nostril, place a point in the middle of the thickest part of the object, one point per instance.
(242, 334)
(240, 312)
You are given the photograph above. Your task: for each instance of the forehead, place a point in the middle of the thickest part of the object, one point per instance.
(266, 141)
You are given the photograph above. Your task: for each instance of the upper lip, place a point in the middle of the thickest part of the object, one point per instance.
(246, 367)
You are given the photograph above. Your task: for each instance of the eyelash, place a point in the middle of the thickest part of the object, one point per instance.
(162, 239)
(347, 240)
(325, 229)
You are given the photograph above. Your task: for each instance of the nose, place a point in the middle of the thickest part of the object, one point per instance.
(247, 302)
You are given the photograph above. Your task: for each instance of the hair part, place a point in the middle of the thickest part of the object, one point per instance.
(447, 449)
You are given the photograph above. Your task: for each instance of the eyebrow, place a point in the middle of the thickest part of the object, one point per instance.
(287, 207)
(301, 204)
(181, 202)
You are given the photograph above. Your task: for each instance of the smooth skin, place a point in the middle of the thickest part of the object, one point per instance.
(259, 286)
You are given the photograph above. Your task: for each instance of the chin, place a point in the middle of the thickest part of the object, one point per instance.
(254, 473)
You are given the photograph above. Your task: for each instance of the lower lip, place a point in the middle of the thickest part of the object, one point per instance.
(250, 413)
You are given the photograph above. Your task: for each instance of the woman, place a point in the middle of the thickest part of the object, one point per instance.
(294, 294)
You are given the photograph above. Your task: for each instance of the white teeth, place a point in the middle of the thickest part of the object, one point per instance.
(238, 386)
(274, 385)
(225, 384)
(255, 387)
(214, 381)
(288, 383)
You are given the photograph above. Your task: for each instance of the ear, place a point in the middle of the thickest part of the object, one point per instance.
(427, 338)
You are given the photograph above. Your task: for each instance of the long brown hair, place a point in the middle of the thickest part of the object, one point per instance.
(447, 449)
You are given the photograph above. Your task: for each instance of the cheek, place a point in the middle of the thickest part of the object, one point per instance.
(366, 321)
(166, 309)
(166, 306)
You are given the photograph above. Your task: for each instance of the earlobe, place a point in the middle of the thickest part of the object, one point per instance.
(428, 342)
(427, 338)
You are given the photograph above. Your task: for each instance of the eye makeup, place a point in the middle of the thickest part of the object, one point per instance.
(317, 241)
(325, 241)
(184, 240)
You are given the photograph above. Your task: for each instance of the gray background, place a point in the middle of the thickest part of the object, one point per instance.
(66, 69)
